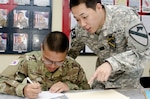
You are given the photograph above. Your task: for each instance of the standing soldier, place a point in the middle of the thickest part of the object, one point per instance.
(117, 36)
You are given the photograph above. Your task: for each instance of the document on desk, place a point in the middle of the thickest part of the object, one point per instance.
(48, 95)
(104, 94)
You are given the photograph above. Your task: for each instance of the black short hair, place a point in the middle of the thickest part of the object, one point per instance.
(56, 41)
(88, 3)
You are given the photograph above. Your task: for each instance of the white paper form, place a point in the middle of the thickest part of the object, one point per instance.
(48, 95)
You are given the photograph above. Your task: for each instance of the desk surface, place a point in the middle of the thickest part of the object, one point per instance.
(132, 93)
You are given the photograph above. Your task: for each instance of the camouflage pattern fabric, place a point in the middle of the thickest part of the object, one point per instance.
(113, 44)
(13, 79)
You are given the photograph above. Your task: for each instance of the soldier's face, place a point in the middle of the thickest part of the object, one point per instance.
(52, 60)
(88, 18)
(20, 16)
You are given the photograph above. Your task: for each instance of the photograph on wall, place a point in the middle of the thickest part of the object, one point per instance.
(4, 1)
(121, 2)
(3, 17)
(20, 41)
(146, 6)
(3, 42)
(42, 3)
(22, 2)
(41, 20)
(107, 2)
(37, 40)
(21, 18)
(135, 4)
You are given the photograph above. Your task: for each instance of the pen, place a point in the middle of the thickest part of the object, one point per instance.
(29, 80)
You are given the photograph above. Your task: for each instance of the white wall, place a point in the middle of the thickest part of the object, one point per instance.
(57, 15)
(88, 63)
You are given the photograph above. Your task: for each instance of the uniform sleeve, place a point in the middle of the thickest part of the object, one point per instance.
(12, 79)
(76, 44)
(76, 77)
(132, 59)
(82, 77)
(81, 82)
(127, 61)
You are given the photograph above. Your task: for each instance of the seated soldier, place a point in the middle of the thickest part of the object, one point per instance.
(49, 69)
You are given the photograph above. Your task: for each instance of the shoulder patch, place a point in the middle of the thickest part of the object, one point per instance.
(15, 62)
(139, 36)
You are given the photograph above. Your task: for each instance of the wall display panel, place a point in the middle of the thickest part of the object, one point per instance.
(3, 42)
(21, 18)
(24, 24)
(22, 2)
(135, 4)
(20, 42)
(37, 40)
(73, 23)
(120, 2)
(146, 6)
(107, 2)
(4, 1)
(43, 3)
(3, 17)
(41, 20)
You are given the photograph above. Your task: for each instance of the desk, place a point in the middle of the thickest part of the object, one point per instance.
(132, 93)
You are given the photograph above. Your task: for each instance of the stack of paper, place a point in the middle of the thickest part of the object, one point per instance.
(104, 94)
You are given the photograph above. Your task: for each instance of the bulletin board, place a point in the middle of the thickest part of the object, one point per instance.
(23, 25)
(141, 6)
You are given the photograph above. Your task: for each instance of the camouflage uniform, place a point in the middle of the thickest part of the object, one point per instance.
(113, 44)
(13, 79)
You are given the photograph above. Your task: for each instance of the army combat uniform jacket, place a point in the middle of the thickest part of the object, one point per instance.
(13, 79)
(117, 42)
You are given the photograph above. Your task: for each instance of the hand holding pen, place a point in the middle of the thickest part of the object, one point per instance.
(32, 89)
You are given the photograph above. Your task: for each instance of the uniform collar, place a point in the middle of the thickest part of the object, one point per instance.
(107, 22)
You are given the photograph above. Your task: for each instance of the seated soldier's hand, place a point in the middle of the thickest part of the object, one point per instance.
(59, 87)
(32, 91)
